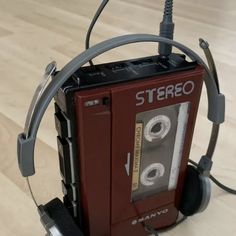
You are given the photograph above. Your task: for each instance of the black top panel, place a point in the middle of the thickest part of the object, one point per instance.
(123, 71)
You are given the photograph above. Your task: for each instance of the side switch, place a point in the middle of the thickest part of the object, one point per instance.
(62, 124)
(65, 159)
(69, 191)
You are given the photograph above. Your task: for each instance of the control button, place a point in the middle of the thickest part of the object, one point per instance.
(65, 157)
(69, 190)
(106, 101)
(62, 124)
(176, 60)
(117, 66)
(72, 207)
(143, 62)
(57, 108)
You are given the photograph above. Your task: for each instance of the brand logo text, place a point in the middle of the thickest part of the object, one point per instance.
(164, 92)
(151, 216)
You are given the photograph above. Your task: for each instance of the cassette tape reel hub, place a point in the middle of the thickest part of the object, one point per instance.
(157, 128)
(151, 174)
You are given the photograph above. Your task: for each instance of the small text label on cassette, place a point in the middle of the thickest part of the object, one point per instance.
(137, 155)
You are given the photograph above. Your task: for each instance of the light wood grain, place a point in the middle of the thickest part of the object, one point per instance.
(33, 33)
(46, 163)
(17, 217)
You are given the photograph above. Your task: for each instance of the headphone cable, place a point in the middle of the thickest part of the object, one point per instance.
(31, 192)
(217, 182)
(156, 232)
(93, 22)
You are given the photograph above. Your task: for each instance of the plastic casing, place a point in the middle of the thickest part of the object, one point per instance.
(104, 136)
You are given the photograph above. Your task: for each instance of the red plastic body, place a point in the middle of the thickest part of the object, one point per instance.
(105, 134)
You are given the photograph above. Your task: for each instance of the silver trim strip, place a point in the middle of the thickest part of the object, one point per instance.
(127, 165)
(72, 166)
(179, 142)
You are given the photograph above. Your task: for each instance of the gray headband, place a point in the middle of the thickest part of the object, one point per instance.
(26, 141)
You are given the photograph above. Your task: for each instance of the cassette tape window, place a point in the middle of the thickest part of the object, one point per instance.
(159, 139)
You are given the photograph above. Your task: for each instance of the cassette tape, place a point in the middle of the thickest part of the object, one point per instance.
(159, 138)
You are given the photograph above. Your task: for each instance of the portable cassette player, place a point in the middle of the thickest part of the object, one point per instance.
(129, 126)
(124, 137)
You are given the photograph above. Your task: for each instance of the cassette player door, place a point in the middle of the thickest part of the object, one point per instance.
(152, 128)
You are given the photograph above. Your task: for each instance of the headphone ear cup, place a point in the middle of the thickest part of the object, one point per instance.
(62, 218)
(196, 192)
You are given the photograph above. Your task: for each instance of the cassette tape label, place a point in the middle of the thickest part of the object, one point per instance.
(137, 155)
(159, 140)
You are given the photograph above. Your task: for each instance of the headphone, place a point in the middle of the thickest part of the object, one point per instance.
(197, 189)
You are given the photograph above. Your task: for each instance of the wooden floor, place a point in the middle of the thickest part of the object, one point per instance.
(35, 32)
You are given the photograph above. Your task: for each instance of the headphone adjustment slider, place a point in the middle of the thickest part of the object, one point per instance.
(205, 165)
(25, 153)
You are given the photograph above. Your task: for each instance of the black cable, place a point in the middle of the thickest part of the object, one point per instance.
(167, 29)
(222, 186)
(156, 232)
(92, 24)
(213, 140)
(217, 182)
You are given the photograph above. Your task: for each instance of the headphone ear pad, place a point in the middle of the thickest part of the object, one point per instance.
(62, 218)
(192, 195)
